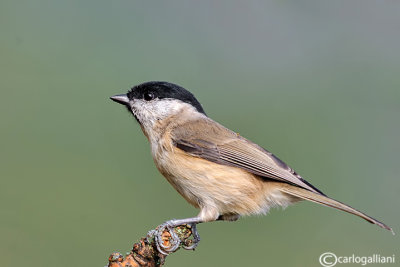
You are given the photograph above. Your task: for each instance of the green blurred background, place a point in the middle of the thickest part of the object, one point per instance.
(315, 82)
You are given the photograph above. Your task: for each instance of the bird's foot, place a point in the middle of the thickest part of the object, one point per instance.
(165, 238)
(169, 236)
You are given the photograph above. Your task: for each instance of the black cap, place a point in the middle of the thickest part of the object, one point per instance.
(164, 90)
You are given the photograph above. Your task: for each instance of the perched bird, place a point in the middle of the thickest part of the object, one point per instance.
(213, 168)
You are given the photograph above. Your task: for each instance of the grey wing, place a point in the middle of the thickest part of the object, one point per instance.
(211, 141)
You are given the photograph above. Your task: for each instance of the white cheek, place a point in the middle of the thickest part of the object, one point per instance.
(148, 112)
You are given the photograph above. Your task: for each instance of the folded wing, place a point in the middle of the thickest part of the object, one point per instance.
(211, 141)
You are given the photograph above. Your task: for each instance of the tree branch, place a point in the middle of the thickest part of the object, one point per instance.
(146, 254)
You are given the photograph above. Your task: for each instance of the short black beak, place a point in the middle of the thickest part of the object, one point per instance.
(122, 99)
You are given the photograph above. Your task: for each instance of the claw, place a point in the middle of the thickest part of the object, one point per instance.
(196, 238)
(167, 240)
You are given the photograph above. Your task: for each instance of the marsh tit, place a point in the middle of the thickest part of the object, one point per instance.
(215, 169)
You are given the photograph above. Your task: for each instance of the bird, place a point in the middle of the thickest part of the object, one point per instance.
(215, 169)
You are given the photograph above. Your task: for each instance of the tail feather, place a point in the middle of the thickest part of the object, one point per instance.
(329, 202)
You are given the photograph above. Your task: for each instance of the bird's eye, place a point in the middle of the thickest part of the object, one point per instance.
(148, 96)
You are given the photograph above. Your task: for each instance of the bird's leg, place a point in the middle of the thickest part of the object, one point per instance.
(175, 240)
